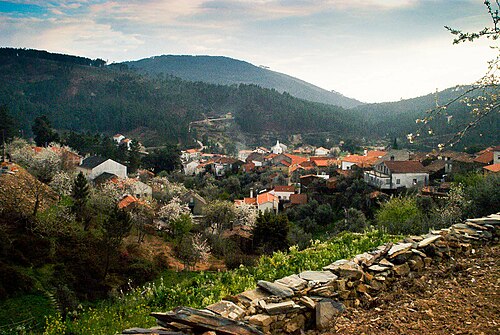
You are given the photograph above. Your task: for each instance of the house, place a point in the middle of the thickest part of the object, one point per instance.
(243, 154)
(321, 151)
(495, 167)
(298, 199)
(94, 166)
(392, 175)
(118, 138)
(139, 189)
(262, 150)
(195, 202)
(278, 148)
(267, 202)
(436, 169)
(459, 162)
(256, 158)
(283, 192)
(190, 154)
(127, 142)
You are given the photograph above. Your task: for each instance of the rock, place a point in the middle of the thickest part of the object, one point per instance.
(318, 276)
(362, 288)
(252, 295)
(349, 270)
(378, 268)
(416, 263)
(206, 321)
(402, 257)
(209, 333)
(152, 331)
(418, 252)
(428, 240)
(281, 307)
(227, 309)
(278, 290)
(334, 266)
(377, 285)
(401, 270)
(427, 261)
(399, 249)
(364, 258)
(308, 302)
(385, 262)
(295, 324)
(324, 291)
(294, 282)
(261, 320)
(326, 311)
(339, 284)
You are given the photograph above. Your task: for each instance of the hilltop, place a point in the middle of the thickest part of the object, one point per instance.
(228, 71)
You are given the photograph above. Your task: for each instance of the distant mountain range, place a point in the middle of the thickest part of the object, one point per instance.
(229, 71)
(81, 94)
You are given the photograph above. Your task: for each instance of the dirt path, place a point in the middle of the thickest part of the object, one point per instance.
(461, 296)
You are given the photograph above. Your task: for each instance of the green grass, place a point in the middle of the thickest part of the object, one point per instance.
(24, 312)
(203, 288)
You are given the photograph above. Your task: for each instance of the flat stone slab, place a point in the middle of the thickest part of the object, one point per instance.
(255, 294)
(318, 276)
(378, 268)
(281, 307)
(399, 249)
(326, 312)
(385, 262)
(276, 289)
(227, 309)
(335, 265)
(294, 282)
(428, 240)
(152, 331)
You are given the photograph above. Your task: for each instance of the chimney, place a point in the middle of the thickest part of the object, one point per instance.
(251, 192)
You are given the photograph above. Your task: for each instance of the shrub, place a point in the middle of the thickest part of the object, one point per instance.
(400, 215)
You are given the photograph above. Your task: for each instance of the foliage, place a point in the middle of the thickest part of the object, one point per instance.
(453, 210)
(400, 215)
(165, 159)
(270, 233)
(7, 124)
(44, 134)
(201, 289)
(62, 183)
(219, 215)
(354, 221)
(80, 196)
(482, 196)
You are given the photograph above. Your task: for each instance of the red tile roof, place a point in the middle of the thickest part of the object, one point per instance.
(298, 199)
(376, 153)
(284, 188)
(485, 158)
(493, 167)
(405, 166)
(296, 159)
(266, 197)
(127, 201)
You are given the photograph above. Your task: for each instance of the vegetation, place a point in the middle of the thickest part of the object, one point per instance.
(203, 288)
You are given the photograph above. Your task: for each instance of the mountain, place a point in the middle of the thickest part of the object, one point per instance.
(396, 119)
(228, 71)
(79, 95)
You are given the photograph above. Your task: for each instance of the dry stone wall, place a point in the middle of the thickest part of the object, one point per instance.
(313, 299)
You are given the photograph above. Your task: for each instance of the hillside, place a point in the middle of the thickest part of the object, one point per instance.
(109, 99)
(228, 71)
(396, 119)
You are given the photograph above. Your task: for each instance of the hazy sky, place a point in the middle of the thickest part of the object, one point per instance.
(371, 50)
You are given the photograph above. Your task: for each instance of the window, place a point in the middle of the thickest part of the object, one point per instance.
(415, 181)
(398, 181)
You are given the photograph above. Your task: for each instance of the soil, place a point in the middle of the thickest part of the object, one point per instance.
(460, 296)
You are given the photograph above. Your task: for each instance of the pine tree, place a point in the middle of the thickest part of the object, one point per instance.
(44, 134)
(80, 196)
(395, 144)
(134, 156)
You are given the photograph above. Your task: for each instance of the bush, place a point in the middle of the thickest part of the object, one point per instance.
(400, 216)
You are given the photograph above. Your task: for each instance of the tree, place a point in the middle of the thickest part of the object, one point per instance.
(219, 215)
(115, 228)
(44, 134)
(270, 233)
(7, 124)
(166, 159)
(80, 198)
(400, 215)
(134, 156)
(482, 97)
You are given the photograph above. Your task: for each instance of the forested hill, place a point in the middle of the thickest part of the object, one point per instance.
(396, 119)
(228, 71)
(110, 99)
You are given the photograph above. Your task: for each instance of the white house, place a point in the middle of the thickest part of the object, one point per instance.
(321, 151)
(243, 154)
(118, 138)
(94, 166)
(496, 154)
(267, 201)
(391, 175)
(140, 189)
(279, 148)
(283, 192)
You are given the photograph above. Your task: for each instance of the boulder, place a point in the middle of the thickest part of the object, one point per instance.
(326, 312)
(227, 309)
(402, 270)
(320, 277)
(276, 289)
(261, 320)
(294, 282)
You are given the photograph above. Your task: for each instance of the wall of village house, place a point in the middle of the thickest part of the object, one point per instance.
(347, 165)
(283, 195)
(406, 179)
(110, 167)
(268, 206)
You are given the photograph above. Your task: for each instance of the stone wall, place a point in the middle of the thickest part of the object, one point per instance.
(311, 300)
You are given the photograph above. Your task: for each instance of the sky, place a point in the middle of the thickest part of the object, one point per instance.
(371, 50)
